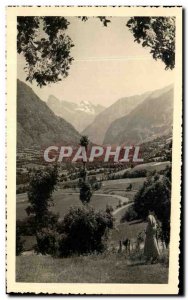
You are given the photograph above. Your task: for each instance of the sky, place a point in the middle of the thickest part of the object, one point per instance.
(107, 66)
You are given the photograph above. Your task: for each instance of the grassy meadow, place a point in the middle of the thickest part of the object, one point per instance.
(111, 268)
(63, 199)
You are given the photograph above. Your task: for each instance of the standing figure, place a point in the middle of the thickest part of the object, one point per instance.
(151, 249)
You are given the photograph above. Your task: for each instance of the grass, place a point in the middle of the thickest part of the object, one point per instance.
(158, 166)
(105, 268)
(151, 166)
(122, 184)
(63, 201)
(126, 230)
(113, 268)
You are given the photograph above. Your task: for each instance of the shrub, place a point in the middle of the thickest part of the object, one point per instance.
(129, 215)
(109, 209)
(26, 226)
(84, 231)
(96, 185)
(19, 242)
(164, 258)
(21, 189)
(135, 173)
(85, 192)
(129, 188)
(47, 241)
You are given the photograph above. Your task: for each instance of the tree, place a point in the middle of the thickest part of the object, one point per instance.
(85, 192)
(158, 34)
(85, 187)
(155, 195)
(47, 54)
(41, 187)
(84, 142)
(47, 49)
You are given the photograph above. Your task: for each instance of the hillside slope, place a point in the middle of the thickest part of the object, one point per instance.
(150, 119)
(79, 115)
(97, 130)
(37, 125)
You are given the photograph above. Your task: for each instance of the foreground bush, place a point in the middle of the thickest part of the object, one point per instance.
(47, 241)
(129, 215)
(84, 231)
(19, 242)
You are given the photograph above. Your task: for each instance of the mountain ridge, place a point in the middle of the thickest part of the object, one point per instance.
(37, 125)
(122, 107)
(79, 115)
(150, 119)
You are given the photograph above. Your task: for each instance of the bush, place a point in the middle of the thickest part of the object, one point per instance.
(85, 192)
(129, 188)
(129, 215)
(21, 189)
(47, 241)
(19, 242)
(135, 173)
(109, 209)
(96, 185)
(164, 258)
(84, 231)
(26, 226)
(129, 174)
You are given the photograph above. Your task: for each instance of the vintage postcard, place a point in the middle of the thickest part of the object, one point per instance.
(94, 142)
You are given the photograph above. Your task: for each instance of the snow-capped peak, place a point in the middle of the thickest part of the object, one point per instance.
(86, 106)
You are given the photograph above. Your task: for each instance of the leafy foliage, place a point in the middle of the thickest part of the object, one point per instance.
(129, 174)
(84, 141)
(41, 187)
(84, 230)
(104, 20)
(19, 242)
(47, 241)
(85, 192)
(157, 33)
(85, 187)
(129, 215)
(26, 226)
(47, 48)
(155, 195)
(47, 54)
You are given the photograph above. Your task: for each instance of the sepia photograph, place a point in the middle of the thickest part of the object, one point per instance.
(94, 116)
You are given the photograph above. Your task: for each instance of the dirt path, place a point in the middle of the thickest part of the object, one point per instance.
(121, 208)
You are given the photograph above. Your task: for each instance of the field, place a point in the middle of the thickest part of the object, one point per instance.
(114, 268)
(63, 201)
(111, 193)
(158, 166)
(151, 166)
(109, 267)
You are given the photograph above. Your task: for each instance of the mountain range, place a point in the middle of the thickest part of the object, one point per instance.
(134, 119)
(150, 119)
(37, 125)
(79, 115)
(130, 120)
